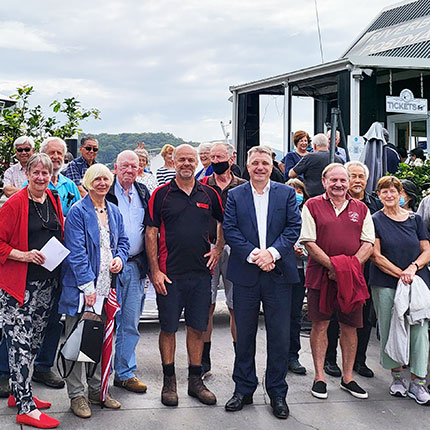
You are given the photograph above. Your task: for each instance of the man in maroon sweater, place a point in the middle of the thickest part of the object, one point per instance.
(334, 224)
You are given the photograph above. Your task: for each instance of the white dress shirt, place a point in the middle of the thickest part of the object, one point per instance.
(261, 204)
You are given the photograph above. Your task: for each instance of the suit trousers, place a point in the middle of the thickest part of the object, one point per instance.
(276, 299)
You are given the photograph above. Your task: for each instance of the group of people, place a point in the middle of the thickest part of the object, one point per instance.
(267, 240)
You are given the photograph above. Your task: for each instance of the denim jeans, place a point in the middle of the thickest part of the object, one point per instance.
(46, 355)
(127, 333)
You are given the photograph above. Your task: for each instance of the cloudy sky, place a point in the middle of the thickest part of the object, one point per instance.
(165, 65)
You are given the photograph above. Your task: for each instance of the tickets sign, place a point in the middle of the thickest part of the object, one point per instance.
(406, 103)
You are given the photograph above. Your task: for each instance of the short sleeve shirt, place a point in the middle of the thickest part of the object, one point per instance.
(14, 176)
(183, 221)
(400, 243)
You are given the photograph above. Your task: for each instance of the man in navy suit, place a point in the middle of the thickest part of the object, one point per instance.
(261, 225)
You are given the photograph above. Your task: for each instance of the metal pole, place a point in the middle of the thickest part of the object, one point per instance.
(334, 118)
(286, 120)
(343, 138)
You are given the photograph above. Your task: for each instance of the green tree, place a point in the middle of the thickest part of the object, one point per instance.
(23, 120)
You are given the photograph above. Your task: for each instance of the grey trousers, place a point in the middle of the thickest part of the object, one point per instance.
(76, 380)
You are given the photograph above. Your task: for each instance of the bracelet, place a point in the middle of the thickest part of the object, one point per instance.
(416, 265)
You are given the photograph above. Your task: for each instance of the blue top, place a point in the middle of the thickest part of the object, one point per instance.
(82, 239)
(400, 243)
(202, 173)
(133, 213)
(64, 187)
(290, 160)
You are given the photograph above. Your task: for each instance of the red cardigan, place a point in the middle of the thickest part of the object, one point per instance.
(14, 235)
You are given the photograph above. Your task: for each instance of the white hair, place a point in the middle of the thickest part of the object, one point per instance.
(24, 139)
(48, 140)
(320, 141)
(205, 146)
(229, 148)
(358, 164)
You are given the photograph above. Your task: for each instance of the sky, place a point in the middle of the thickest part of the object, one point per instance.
(165, 65)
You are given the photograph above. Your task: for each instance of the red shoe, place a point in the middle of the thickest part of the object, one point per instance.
(44, 421)
(40, 404)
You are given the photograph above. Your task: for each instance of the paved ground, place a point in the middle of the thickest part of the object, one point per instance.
(339, 411)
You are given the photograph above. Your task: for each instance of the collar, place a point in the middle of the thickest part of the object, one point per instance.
(234, 182)
(174, 186)
(266, 189)
(325, 197)
(61, 180)
(122, 191)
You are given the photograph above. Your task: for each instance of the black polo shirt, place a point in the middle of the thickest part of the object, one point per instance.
(183, 222)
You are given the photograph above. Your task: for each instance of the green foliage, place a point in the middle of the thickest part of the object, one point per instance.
(23, 120)
(112, 144)
(419, 175)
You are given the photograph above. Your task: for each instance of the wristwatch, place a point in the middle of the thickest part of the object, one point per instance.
(416, 264)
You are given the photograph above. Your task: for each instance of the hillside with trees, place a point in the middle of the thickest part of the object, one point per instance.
(112, 144)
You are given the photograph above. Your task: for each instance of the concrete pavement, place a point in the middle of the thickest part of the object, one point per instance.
(145, 411)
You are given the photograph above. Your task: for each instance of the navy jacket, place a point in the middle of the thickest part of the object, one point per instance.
(240, 232)
(82, 239)
(143, 194)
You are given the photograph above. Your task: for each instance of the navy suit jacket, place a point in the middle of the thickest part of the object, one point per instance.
(241, 233)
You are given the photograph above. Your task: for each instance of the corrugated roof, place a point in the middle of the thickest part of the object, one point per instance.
(401, 14)
(399, 31)
(417, 50)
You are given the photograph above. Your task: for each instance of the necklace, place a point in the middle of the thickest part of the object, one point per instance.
(39, 213)
(100, 211)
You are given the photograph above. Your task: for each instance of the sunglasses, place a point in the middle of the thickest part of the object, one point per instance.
(90, 148)
(22, 149)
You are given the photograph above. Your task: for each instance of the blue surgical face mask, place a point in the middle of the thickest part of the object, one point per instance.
(299, 198)
(402, 201)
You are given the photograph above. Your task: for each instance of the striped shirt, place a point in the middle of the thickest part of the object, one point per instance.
(165, 175)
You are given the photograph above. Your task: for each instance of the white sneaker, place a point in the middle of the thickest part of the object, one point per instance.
(398, 387)
(418, 391)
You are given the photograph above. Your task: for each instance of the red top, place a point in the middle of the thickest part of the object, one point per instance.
(14, 235)
(336, 235)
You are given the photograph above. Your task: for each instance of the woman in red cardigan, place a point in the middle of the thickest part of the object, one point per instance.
(28, 220)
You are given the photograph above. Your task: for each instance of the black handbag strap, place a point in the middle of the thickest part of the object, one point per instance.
(61, 359)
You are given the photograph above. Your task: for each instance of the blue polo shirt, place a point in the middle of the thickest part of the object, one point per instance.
(64, 187)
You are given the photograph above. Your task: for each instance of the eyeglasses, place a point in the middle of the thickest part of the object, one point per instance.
(22, 149)
(90, 148)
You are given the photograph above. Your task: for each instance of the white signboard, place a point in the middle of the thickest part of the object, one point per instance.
(406, 103)
(395, 36)
(355, 147)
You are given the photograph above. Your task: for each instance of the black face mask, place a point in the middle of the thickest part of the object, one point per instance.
(220, 168)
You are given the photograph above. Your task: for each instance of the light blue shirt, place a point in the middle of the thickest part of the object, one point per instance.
(133, 213)
(64, 187)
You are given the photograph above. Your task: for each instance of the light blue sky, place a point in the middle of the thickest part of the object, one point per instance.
(164, 65)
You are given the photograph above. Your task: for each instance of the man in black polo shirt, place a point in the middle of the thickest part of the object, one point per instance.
(180, 263)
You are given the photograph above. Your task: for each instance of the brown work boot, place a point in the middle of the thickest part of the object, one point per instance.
(197, 389)
(132, 384)
(80, 408)
(169, 396)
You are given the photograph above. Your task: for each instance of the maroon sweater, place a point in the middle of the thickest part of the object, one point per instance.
(336, 235)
